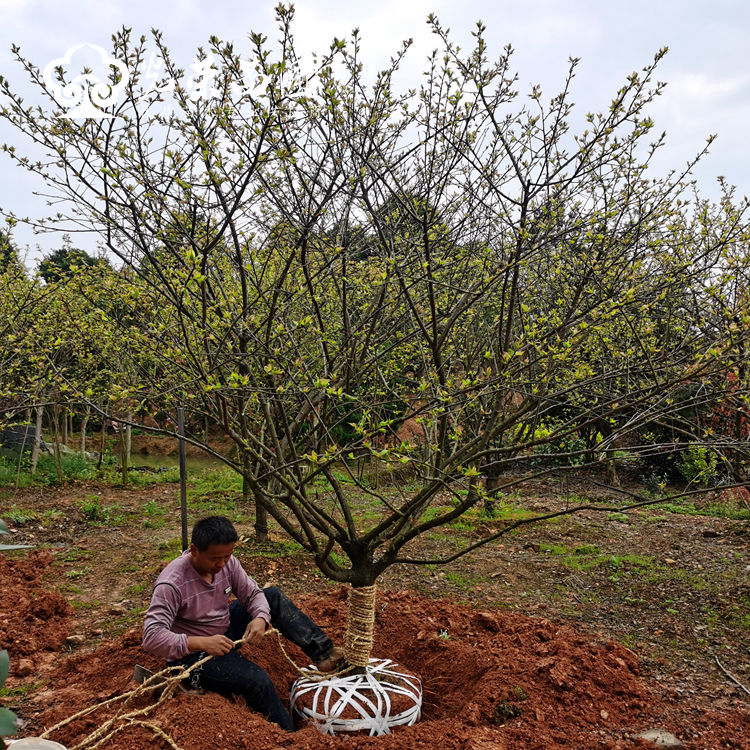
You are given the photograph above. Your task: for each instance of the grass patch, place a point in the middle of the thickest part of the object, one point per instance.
(274, 550)
(154, 515)
(137, 588)
(74, 575)
(221, 481)
(74, 554)
(589, 556)
(98, 514)
(461, 581)
(716, 509)
(20, 516)
(74, 467)
(78, 604)
(171, 549)
(669, 573)
(19, 691)
(619, 517)
(149, 478)
(217, 492)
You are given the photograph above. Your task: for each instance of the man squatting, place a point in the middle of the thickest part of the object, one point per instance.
(190, 616)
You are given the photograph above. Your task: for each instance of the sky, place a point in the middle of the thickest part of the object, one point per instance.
(707, 70)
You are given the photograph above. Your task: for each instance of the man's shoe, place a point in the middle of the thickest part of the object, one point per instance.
(334, 658)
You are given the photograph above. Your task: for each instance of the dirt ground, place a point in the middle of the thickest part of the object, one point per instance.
(581, 634)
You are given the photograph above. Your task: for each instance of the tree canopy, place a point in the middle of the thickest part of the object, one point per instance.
(316, 258)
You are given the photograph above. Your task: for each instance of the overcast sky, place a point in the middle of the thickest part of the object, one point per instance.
(707, 69)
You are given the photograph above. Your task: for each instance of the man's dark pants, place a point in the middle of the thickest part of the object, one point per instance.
(233, 674)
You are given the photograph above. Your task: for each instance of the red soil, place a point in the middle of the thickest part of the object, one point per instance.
(31, 619)
(497, 680)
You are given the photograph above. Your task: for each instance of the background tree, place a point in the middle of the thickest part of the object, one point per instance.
(522, 283)
(8, 253)
(64, 262)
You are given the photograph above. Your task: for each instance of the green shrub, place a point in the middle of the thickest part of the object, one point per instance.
(697, 466)
(553, 451)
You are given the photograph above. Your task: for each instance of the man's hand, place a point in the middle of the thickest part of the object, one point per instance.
(255, 630)
(214, 645)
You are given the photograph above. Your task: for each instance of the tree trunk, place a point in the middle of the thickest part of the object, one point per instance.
(84, 424)
(124, 457)
(492, 482)
(37, 439)
(23, 448)
(58, 454)
(611, 469)
(102, 435)
(261, 514)
(261, 519)
(129, 438)
(64, 415)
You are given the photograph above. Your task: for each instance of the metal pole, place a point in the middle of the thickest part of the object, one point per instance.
(183, 482)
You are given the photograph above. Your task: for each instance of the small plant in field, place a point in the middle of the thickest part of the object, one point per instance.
(96, 513)
(505, 711)
(619, 517)
(92, 508)
(76, 574)
(154, 515)
(20, 516)
(655, 482)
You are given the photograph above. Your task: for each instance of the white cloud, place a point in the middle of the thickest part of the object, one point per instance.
(702, 86)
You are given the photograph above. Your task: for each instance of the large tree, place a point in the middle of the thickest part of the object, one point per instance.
(320, 258)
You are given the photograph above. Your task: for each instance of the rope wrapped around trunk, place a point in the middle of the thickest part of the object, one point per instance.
(360, 625)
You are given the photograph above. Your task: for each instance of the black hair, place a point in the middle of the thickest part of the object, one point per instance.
(213, 530)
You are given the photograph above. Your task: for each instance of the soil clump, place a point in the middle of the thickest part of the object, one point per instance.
(32, 619)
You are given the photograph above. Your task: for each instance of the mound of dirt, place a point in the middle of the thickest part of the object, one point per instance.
(492, 680)
(31, 619)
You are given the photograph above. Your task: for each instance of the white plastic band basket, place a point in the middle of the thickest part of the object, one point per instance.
(359, 702)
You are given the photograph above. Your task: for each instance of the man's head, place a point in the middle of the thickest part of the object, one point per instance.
(212, 544)
(213, 530)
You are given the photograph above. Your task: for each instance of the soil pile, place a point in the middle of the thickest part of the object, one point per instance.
(31, 619)
(492, 680)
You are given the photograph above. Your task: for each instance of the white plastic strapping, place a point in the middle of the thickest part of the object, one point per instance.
(367, 695)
